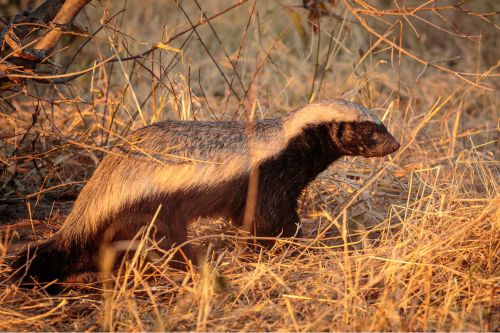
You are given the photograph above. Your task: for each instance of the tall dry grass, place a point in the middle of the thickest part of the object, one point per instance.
(405, 243)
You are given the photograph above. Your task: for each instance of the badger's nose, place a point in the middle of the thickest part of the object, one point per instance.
(395, 146)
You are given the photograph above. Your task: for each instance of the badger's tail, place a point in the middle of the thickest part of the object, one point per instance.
(51, 259)
(75, 247)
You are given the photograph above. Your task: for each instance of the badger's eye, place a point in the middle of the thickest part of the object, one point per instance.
(369, 131)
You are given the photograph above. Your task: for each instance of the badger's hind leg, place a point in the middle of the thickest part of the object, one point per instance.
(174, 230)
(168, 232)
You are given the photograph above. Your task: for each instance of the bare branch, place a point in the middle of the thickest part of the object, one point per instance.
(43, 13)
(64, 17)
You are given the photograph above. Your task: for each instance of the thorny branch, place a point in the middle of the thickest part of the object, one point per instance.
(22, 52)
(55, 15)
(318, 8)
(61, 22)
(62, 14)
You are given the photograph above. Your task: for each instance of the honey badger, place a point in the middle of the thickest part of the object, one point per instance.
(201, 169)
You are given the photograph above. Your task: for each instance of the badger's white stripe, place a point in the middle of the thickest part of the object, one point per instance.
(271, 144)
(119, 189)
(325, 111)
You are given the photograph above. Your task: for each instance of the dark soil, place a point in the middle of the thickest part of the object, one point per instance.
(27, 222)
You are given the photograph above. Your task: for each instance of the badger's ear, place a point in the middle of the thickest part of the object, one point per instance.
(337, 129)
(345, 132)
(341, 128)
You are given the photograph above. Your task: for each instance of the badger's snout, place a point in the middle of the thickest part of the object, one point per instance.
(389, 146)
(385, 144)
(394, 145)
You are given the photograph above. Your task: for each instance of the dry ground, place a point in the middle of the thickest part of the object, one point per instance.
(409, 242)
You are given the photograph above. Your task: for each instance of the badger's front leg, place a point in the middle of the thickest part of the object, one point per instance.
(280, 220)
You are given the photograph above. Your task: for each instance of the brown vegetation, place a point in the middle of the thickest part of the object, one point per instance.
(409, 242)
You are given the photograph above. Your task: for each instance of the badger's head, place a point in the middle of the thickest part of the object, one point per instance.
(363, 138)
(354, 130)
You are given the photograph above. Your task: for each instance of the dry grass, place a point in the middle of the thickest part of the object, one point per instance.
(410, 242)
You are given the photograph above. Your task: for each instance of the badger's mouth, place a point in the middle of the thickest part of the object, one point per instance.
(388, 146)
